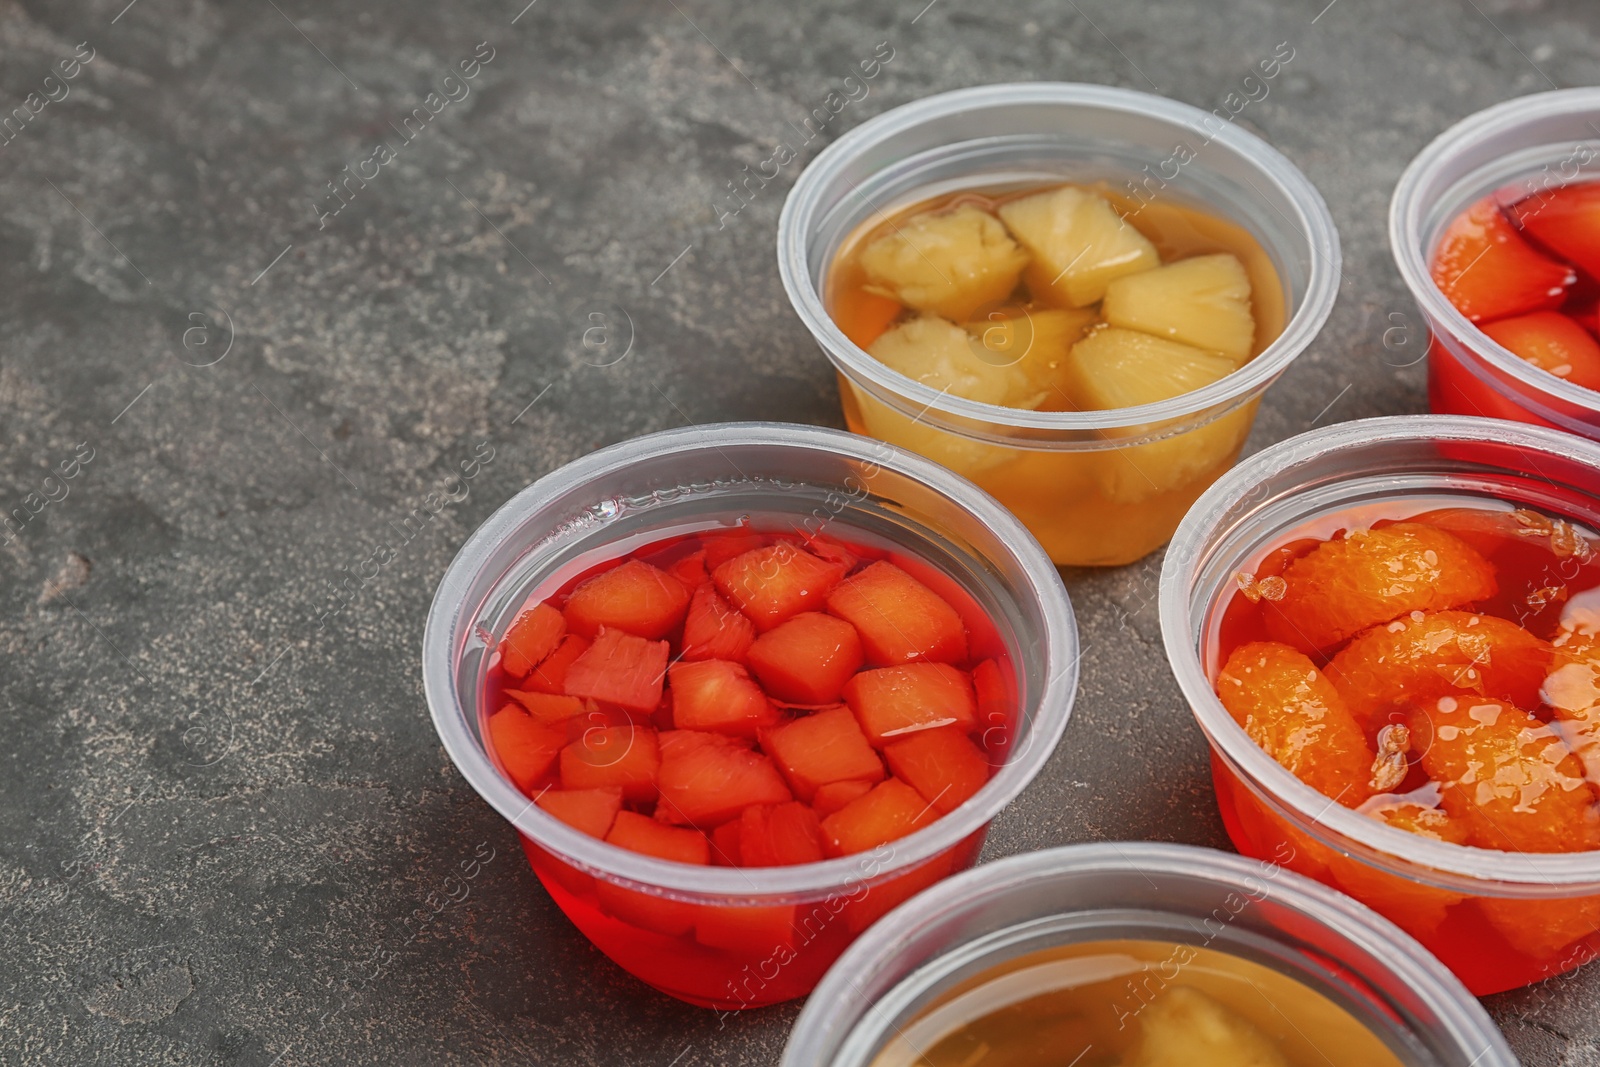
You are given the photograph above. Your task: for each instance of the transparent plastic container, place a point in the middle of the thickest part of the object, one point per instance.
(745, 936)
(1520, 147)
(1096, 487)
(1500, 920)
(1134, 890)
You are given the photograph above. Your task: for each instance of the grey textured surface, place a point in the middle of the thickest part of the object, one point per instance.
(214, 810)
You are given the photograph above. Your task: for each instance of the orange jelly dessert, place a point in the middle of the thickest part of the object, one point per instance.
(1063, 298)
(1436, 668)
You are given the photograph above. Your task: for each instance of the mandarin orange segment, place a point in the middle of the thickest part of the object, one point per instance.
(1288, 708)
(1370, 577)
(1416, 908)
(1572, 689)
(1509, 778)
(1414, 661)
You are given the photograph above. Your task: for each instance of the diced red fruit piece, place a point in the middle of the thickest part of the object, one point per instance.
(691, 570)
(1489, 271)
(550, 676)
(1298, 718)
(780, 835)
(943, 765)
(1566, 221)
(621, 669)
(526, 748)
(774, 583)
(547, 707)
(821, 749)
(715, 630)
(532, 637)
(1509, 777)
(707, 779)
(634, 597)
(714, 694)
(900, 620)
(758, 930)
(835, 795)
(807, 659)
(613, 757)
(590, 810)
(889, 811)
(892, 702)
(1413, 661)
(885, 896)
(1344, 586)
(721, 547)
(996, 707)
(639, 833)
(725, 844)
(1552, 342)
(1423, 821)
(824, 547)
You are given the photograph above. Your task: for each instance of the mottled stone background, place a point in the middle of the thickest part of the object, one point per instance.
(214, 809)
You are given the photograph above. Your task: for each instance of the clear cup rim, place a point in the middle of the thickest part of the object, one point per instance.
(1058, 644)
(1313, 221)
(1408, 960)
(1463, 866)
(1407, 210)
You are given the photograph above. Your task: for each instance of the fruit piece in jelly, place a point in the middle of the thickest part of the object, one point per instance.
(1419, 909)
(613, 757)
(620, 669)
(1344, 586)
(634, 597)
(899, 619)
(1415, 660)
(891, 702)
(639, 833)
(527, 748)
(776, 582)
(532, 637)
(549, 707)
(1036, 343)
(714, 630)
(1078, 242)
(945, 357)
(1289, 709)
(949, 263)
(1489, 271)
(807, 659)
(715, 694)
(1509, 778)
(1203, 301)
(835, 795)
(550, 676)
(1567, 222)
(779, 835)
(1573, 691)
(591, 810)
(890, 810)
(943, 765)
(822, 749)
(1184, 1027)
(1552, 342)
(1542, 928)
(707, 779)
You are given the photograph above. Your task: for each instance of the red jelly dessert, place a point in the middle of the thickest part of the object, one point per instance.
(1438, 671)
(747, 699)
(1525, 271)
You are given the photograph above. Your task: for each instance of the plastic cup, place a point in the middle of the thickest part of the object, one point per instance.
(1498, 919)
(742, 937)
(1114, 891)
(1520, 148)
(1096, 487)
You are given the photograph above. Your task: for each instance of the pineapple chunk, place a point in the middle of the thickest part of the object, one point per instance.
(1115, 368)
(1079, 244)
(944, 356)
(950, 263)
(1184, 1027)
(1203, 301)
(1036, 343)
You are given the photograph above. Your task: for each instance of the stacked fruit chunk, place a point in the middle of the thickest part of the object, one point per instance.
(746, 699)
(1528, 274)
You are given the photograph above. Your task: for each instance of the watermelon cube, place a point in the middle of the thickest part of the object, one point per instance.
(807, 659)
(755, 930)
(548, 707)
(774, 583)
(823, 747)
(691, 570)
(825, 547)
(613, 757)
(996, 708)
(620, 669)
(633, 597)
(891, 702)
(714, 630)
(533, 636)
(707, 779)
(527, 748)
(721, 547)
(779, 835)
(725, 844)
(550, 676)
(943, 765)
(714, 694)
(900, 620)
(835, 795)
(639, 833)
(590, 810)
(884, 897)
(890, 811)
